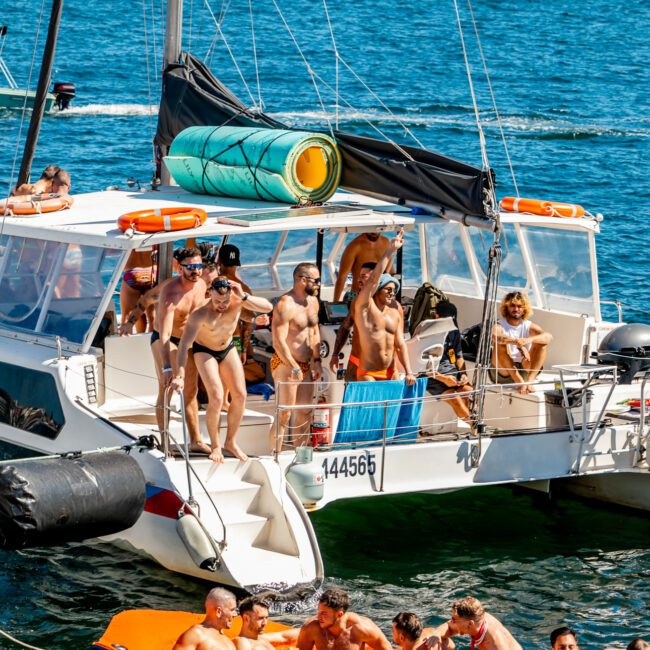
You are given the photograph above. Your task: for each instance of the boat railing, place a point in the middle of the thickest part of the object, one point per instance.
(619, 307)
(167, 440)
(475, 433)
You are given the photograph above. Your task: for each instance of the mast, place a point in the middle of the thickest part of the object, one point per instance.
(41, 92)
(173, 47)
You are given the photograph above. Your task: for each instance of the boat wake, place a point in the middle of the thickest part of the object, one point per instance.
(461, 117)
(109, 110)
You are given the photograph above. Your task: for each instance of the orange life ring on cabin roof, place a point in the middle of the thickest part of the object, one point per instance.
(542, 208)
(35, 204)
(162, 219)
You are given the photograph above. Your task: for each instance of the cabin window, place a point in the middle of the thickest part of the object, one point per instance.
(512, 275)
(52, 287)
(256, 254)
(563, 263)
(29, 401)
(448, 266)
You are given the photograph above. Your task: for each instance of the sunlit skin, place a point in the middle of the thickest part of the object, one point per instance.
(209, 635)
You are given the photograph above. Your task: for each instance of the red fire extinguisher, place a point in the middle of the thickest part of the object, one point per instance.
(320, 423)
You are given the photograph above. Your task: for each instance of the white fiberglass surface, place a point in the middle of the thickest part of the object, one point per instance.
(51, 287)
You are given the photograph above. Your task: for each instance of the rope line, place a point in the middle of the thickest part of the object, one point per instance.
(336, 63)
(15, 640)
(260, 104)
(149, 93)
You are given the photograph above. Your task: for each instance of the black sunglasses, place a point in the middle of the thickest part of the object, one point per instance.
(314, 280)
(192, 267)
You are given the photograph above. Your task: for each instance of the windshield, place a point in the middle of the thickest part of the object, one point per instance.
(51, 287)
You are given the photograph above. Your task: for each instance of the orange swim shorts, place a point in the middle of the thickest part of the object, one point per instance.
(379, 375)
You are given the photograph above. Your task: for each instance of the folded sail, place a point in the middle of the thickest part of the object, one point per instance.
(192, 96)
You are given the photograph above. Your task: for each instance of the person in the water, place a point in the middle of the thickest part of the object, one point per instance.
(335, 628)
(254, 612)
(468, 617)
(564, 638)
(409, 633)
(220, 609)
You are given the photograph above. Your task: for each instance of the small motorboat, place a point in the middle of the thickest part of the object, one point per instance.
(17, 98)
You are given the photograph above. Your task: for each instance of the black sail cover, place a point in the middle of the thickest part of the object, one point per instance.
(192, 96)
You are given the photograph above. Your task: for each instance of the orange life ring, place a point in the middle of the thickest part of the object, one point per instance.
(162, 219)
(35, 204)
(543, 208)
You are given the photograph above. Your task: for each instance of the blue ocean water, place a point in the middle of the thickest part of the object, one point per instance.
(570, 79)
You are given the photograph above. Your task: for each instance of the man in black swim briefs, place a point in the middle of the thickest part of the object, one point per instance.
(209, 334)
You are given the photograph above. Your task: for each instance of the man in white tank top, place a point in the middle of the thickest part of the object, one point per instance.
(520, 345)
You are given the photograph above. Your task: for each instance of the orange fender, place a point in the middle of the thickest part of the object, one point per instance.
(162, 219)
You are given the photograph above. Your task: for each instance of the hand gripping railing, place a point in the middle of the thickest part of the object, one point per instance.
(640, 454)
(190, 503)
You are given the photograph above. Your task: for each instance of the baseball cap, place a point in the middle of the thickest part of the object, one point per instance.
(229, 255)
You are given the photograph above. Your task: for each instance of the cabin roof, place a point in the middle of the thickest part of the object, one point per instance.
(93, 217)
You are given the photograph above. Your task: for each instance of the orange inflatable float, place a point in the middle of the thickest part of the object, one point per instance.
(162, 219)
(31, 204)
(542, 208)
(150, 629)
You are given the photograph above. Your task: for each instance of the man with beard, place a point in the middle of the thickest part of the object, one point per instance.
(254, 614)
(367, 247)
(220, 609)
(379, 322)
(178, 299)
(335, 628)
(296, 362)
(209, 333)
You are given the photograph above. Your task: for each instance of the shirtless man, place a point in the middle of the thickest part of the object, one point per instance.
(178, 299)
(367, 247)
(296, 361)
(254, 614)
(220, 609)
(209, 333)
(346, 327)
(380, 324)
(520, 345)
(468, 617)
(410, 634)
(335, 628)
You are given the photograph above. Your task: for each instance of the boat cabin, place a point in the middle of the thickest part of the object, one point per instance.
(59, 274)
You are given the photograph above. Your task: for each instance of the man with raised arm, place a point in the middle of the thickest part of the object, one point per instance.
(468, 617)
(254, 612)
(296, 362)
(220, 609)
(520, 345)
(379, 323)
(367, 247)
(209, 334)
(410, 634)
(335, 628)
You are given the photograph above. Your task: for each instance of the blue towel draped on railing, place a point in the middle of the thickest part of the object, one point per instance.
(364, 422)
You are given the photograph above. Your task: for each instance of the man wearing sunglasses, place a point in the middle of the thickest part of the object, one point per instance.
(209, 334)
(179, 297)
(296, 362)
(379, 323)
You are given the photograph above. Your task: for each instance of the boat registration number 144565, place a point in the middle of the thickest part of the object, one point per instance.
(350, 466)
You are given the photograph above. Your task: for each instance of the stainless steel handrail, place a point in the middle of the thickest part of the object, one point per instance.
(185, 453)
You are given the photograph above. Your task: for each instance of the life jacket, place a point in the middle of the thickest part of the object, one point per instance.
(426, 299)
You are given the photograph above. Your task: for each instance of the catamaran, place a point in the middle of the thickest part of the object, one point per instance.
(69, 383)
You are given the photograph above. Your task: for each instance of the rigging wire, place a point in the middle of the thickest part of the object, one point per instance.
(494, 101)
(189, 38)
(484, 156)
(23, 112)
(153, 38)
(336, 63)
(149, 94)
(217, 24)
(257, 69)
(310, 71)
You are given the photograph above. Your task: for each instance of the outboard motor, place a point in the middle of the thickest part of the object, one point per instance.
(64, 93)
(628, 348)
